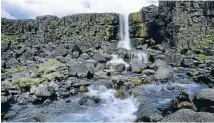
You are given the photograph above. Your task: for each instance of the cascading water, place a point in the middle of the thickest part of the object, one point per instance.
(125, 43)
(110, 109)
(124, 32)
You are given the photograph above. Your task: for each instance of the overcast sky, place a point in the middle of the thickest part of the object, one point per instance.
(33, 8)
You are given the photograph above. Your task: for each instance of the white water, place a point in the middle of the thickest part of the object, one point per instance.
(125, 42)
(116, 60)
(124, 32)
(111, 109)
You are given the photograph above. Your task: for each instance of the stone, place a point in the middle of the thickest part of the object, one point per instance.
(148, 72)
(163, 72)
(204, 99)
(182, 101)
(212, 72)
(44, 91)
(75, 54)
(187, 62)
(120, 67)
(84, 56)
(157, 64)
(153, 117)
(83, 89)
(100, 58)
(89, 100)
(137, 66)
(187, 115)
(82, 70)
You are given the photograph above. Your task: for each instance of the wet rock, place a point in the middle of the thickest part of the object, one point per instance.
(187, 115)
(83, 89)
(45, 91)
(157, 64)
(212, 72)
(84, 56)
(75, 54)
(204, 79)
(23, 99)
(182, 101)
(187, 62)
(153, 117)
(137, 65)
(117, 67)
(192, 72)
(147, 80)
(82, 70)
(99, 57)
(148, 72)
(89, 100)
(14, 91)
(163, 72)
(204, 100)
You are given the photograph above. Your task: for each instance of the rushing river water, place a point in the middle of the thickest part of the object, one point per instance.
(110, 109)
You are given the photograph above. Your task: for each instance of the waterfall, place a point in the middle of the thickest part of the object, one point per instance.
(124, 32)
(125, 43)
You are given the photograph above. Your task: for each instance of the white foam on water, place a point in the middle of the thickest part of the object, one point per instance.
(110, 110)
(116, 60)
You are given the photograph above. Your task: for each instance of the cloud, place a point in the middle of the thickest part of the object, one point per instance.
(6, 14)
(33, 8)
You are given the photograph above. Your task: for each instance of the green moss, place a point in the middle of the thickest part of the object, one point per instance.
(135, 17)
(124, 53)
(49, 75)
(117, 94)
(108, 33)
(70, 54)
(36, 117)
(136, 81)
(9, 38)
(51, 62)
(83, 89)
(205, 42)
(27, 81)
(202, 57)
(18, 68)
(3, 70)
(137, 41)
(37, 65)
(6, 116)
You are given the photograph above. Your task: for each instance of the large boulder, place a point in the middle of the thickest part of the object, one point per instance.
(137, 65)
(163, 72)
(82, 70)
(187, 115)
(204, 100)
(182, 101)
(45, 91)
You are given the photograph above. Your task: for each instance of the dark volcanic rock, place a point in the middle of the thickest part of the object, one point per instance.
(182, 101)
(204, 100)
(187, 115)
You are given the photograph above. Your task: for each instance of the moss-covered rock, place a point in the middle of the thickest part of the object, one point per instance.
(83, 89)
(18, 68)
(117, 94)
(136, 80)
(9, 39)
(202, 57)
(28, 82)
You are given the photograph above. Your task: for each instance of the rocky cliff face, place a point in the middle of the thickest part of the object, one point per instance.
(80, 27)
(176, 24)
(185, 24)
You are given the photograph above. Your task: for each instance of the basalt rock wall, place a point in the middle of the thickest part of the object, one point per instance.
(176, 24)
(79, 27)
